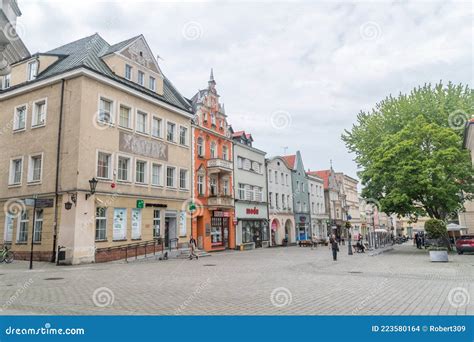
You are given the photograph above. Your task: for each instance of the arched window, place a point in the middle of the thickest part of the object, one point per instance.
(200, 147)
(213, 150)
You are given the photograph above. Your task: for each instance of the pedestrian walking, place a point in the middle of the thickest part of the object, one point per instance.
(192, 249)
(334, 247)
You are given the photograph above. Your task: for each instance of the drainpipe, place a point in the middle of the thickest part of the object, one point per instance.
(58, 159)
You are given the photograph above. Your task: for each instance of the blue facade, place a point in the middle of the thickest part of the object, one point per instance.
(301, 205)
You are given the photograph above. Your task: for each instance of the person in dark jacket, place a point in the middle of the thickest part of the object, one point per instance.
(334, 246)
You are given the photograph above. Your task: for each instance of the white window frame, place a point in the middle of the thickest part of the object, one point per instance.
(110, 165)
(130, 119)
(213, 150)
(31, 170)
(37, 223)
(20, 221)
(15, 119)
(152, 83)
(11, 174)
(147, 119)
(34, 113)
(201, 147)
(175, 133)
(225, 155)
(131, 72)
(7, 81)
(201, 185)
(129, 171)
(145, 171)
(139, 73)
(186, 179)
(29, 76)
(136, 234)
(112, 110)
(174, 178)
(186, 136)
(160, 127)
(9, 227)
(119, 235)
(161, 183)
(102, 218)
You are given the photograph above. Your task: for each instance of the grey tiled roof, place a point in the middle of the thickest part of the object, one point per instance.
(87, 52)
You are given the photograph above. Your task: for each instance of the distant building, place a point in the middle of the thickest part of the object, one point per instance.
(250, 184)
(319, 216)
(300, 196)
(351, 195)
(12, 48)
(466, 217)
(213, 171)
(280, 201)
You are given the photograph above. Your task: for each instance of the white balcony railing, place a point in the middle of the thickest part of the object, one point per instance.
(220, 201)
(218, 164)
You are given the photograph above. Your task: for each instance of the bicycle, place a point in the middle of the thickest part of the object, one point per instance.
(6, 255)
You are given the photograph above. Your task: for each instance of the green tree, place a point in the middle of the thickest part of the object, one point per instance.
(411, 155)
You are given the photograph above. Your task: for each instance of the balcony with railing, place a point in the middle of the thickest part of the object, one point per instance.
(217, 165)
(220, 200)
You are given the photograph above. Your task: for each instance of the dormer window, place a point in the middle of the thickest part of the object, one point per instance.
(32, 70)
(141, 78)
(152, 83)
(6, 81)
(128, 72)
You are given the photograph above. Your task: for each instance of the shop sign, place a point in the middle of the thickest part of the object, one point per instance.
(44, 203)
(208, 229)
(142, 146)
(252, 211)
(140, 204)
(154, 205)
(221, 213)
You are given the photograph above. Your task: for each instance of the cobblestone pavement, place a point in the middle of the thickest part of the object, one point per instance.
(273, 281)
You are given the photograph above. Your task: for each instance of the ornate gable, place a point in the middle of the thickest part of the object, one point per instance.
(139, 52)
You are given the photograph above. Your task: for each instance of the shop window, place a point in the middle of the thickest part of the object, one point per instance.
(100, 224)
(38, 229)
(23, 227)
(120, 224)
(136, 224)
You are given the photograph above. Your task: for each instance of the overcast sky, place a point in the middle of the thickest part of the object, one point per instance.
(294, 74)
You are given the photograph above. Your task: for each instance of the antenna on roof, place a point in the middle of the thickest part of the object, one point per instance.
(285, 148)
(158, 57)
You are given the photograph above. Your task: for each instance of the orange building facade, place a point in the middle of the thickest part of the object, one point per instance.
(213, 223)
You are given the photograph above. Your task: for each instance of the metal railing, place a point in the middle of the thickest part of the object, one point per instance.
(132, 249)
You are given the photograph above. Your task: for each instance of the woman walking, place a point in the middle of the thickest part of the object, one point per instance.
(192, 248)
(334, 247)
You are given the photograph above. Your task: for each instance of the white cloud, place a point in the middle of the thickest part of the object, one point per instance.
(307, 58)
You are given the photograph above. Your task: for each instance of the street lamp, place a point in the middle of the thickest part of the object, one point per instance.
(93, 184)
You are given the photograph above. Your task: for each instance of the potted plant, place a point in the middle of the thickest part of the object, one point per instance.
(438, 233)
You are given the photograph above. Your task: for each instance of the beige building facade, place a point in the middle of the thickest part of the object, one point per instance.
(93, 112)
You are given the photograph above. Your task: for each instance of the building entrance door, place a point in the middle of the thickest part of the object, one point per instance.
(220, 231)
(170, 232)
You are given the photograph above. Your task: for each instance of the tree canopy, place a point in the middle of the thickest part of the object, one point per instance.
(410, 152)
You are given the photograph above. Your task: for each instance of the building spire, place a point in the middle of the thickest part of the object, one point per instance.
(212, 82)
